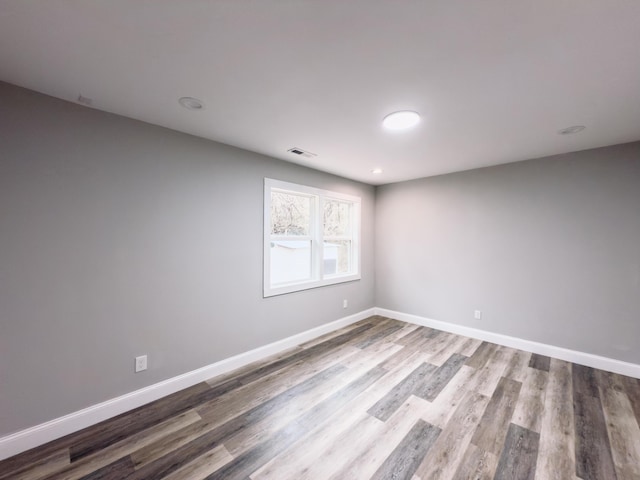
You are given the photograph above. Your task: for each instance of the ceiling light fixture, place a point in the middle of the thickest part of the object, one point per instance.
(191, 103)
(401, 120)
(571, 130)
(376, 171)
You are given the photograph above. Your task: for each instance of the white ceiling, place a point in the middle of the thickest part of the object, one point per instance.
(493, 80)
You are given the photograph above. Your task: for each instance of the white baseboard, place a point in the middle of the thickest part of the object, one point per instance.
(582, 358)
(40, 434)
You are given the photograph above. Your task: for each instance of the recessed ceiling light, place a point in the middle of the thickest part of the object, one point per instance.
(376, 171)
(401, 120)
(191, 103)
(571, 130)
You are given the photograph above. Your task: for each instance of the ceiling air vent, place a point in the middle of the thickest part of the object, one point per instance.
(302, 153)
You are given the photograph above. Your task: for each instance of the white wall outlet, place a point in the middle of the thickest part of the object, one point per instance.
(141, 363)
(345, 303)
(477, 314)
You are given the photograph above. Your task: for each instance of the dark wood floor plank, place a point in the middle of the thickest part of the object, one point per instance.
(407, 456)
(593, 451)
(116, 429)
(37, 468)
(519, 455)
(482, 355)
(430, 389)
(492, 430)
(584, 380)
(540, 362)
(388, 404)
(379, 335)
(116, 470)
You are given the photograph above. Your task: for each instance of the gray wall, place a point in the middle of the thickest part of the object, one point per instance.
(548, 249)
(119, 238)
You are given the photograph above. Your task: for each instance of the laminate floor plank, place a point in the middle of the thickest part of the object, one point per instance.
(477, 464)
(247, 463)
(365, 462)
(347, 405)
(350, 426)
(42, 467)
(584, 380)
(487, 377)
(594, 460)
(387, 405)
(403, 461)
(442, 354)
(439, 379)
(249, 396)
(632, 389)
(417, 335)
(114, 452)
(295, 406)
(482, 355)
(530, 407)
(519, 455)
(469, 346)
(202, 466)
(492, 429)
(518, 366)
(444, 456)
(624, 433)
(556, 451)
(539, 362)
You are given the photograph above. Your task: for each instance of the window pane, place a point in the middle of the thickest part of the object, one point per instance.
(337, 219)
(290, 214)
(337, 257)
(290, 261)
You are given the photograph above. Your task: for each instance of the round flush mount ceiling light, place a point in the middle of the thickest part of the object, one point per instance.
(376, 171)
(571, 130)
(401, 120)
(191, 103)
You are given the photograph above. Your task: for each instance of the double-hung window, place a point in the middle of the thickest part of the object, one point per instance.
(311, 237)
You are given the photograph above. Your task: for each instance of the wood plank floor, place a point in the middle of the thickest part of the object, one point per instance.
(379, 399)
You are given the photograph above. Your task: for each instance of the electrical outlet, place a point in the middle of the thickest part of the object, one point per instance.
(477, 314)
(141, 363)
(345, 303)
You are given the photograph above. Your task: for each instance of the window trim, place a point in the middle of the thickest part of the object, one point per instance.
(316, 235)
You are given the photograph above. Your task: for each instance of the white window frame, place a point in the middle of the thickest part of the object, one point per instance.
(316, 236)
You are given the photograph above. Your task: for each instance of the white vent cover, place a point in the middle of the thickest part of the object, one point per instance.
(302, 153)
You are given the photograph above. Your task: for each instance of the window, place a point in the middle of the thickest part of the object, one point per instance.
(311, 237)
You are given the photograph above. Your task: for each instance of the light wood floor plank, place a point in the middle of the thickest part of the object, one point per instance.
(556, 451)
(624, 433)
(476, 465)
(530, 407)
(443, 458)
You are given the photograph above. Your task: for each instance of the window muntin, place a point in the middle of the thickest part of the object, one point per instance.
(311, 237)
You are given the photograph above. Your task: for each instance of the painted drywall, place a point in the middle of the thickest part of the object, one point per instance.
(547, 249)
(119, 238)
